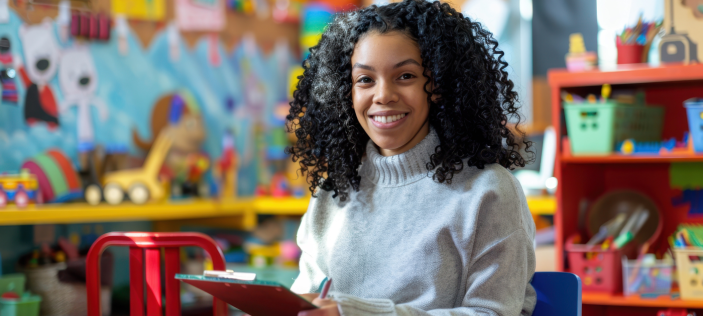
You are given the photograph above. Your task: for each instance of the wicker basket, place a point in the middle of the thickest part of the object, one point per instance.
(59, 298)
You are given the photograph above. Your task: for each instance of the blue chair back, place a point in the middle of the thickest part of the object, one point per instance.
(558, 294)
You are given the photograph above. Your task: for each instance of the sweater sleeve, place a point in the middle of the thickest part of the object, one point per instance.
(311, 275)
(497, 286)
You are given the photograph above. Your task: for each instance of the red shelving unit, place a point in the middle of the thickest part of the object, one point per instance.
(589, 177)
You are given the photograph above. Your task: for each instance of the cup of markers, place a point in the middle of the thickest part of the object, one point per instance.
(634, 42)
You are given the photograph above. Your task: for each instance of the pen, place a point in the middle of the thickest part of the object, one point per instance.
(325, 289)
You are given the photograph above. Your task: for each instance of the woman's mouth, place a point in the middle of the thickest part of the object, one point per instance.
(388, 121)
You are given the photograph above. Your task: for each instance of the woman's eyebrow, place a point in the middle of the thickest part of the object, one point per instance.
(405, 62)
(362, 66)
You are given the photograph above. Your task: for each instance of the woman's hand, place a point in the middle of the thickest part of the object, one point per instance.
(326, 307)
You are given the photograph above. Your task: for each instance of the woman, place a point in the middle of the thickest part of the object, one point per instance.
(401, 122)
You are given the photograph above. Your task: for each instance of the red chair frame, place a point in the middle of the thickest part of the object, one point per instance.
(147, 246)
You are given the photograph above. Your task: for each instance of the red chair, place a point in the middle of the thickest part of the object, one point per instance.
(148, 246)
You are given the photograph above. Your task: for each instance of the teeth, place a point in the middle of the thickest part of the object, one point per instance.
(388, 119)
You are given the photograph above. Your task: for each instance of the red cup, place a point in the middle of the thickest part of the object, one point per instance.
(630, 53)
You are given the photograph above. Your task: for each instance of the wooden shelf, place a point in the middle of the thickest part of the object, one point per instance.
(625, 74)
(187, 209)
(617, 158)
(281, 206)
(663, 301)
(542, 205)
(171, 210)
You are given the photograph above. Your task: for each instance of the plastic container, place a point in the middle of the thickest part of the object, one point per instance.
(689, 264)
(27, 306)
(595, 128)
(599, 270)
(12, 283)
(650, 279)
(694, 109)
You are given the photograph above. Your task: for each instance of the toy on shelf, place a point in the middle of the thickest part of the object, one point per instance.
(186, 180)
(261, 244)
(183, 164)
(143, 183)
(58, 181)
(665, 148)
(20, 188)
(225, 169)
(578, 59)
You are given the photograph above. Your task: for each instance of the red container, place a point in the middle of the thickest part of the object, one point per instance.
(630, 54)
(599, 270)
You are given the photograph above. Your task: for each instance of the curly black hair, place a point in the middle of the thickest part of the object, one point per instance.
(462, 62)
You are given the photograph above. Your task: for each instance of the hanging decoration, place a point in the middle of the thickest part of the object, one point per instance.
(151, 10)
(200, 15)
(90, 26)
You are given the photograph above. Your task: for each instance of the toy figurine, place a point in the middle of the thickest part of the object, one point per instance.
(226, 167)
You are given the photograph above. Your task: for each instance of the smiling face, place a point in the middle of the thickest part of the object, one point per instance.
(388, 91)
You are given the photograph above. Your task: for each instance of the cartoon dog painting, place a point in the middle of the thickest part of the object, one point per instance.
(78, 79)
(41, 57)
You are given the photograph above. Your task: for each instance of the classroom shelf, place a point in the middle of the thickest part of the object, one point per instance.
(663, 301)
(626, 74)
(187, 209)
(587, 178)
(617, 158)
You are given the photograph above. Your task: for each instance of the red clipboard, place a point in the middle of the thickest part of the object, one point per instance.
(256, 298)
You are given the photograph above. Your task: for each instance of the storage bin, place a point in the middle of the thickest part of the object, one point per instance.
(650, 279)
(27, 306)
(689, 267)
(600, 270)
(12, 283)
(595, 128)
(59, 298)
(694, 110)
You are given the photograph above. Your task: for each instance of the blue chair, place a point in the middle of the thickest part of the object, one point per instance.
(558, 294)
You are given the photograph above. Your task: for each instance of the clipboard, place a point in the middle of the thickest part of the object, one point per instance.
(256, 298)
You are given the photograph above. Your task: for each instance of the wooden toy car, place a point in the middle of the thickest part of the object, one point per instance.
(143, 183)
(19, 188)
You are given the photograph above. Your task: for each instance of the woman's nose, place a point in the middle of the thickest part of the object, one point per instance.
(385, 93)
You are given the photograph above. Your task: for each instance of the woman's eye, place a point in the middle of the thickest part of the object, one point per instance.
(365, 80)
(406, 76)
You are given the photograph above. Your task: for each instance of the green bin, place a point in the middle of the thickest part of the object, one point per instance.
(12, 283)
(595, 128)
(26, 306)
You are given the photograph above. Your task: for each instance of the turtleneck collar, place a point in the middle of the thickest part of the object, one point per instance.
(400, 169)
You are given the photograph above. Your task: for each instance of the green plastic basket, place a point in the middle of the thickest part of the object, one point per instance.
(12, 283)
(27, 306)
(595, 128)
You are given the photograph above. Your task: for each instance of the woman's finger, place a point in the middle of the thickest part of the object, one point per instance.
(322, 302)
